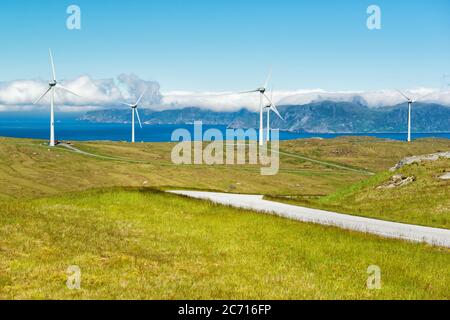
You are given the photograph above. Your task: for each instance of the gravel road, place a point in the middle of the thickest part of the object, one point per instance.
(409, 232)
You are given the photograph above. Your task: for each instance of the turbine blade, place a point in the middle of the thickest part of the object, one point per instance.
(242, 92)
(405, 96)
(139, 100)
(424, 96)
(273, 107)
(126, 104)
(139, 119)
(268, 79)
(68, 90)
(42, 95)
(53, 65)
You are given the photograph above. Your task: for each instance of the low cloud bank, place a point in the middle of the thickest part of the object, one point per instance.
(231, 102)
(18, 95)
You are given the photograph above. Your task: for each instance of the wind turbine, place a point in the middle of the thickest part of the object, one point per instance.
(269, 107)
(410, 103)
(52, 85)
(134, 109)
(262, 95)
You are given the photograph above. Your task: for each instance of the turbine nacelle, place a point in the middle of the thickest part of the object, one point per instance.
(407, 98)
(52, 83)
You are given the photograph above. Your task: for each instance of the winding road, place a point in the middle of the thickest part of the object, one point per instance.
(388, 229)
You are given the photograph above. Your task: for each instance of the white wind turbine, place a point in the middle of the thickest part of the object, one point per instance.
(52, 85)
(262, 95)
(270, 106)
(410, 103)
(134, 109)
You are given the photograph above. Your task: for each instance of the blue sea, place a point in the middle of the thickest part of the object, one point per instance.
(67, 128)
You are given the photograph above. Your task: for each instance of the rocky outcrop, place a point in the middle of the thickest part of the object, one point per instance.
(396, 181)
(419, 159)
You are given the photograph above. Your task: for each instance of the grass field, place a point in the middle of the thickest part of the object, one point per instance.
(364, 152)
(30, 169)
(149, 245)
(60, 208)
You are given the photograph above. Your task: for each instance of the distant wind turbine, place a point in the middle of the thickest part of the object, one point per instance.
(410, 103)
(262, 95)
(134, 109)
(270, 106)
(52, 85)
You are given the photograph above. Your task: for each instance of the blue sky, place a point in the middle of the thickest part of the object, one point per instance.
(229, 45)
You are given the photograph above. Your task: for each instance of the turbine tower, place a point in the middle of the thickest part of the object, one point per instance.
(270, 106)
(134, 109)
(268, 124)
(262, 95)
(52, 85)
(410, 102)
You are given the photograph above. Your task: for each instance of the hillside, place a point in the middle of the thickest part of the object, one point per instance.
(104, 211)
(319, 117)
(309, 169)
(414, 194)
(28, 168)
(144, 244)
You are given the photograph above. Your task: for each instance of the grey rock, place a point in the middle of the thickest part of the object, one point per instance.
(419, 159)
(396, 181)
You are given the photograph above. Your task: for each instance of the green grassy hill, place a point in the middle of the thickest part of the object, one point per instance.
(28, 168)
(143, 244)
(104, 213)
(369, 153)
(424, 201)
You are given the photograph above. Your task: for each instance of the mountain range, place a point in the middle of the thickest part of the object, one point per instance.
(317, 117)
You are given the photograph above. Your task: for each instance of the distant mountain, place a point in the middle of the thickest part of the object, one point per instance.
(318, 117)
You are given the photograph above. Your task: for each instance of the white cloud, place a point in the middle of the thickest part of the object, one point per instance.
(134, 87)
(227, 101)
(96, 94)
(209, 100)
(19, 95)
